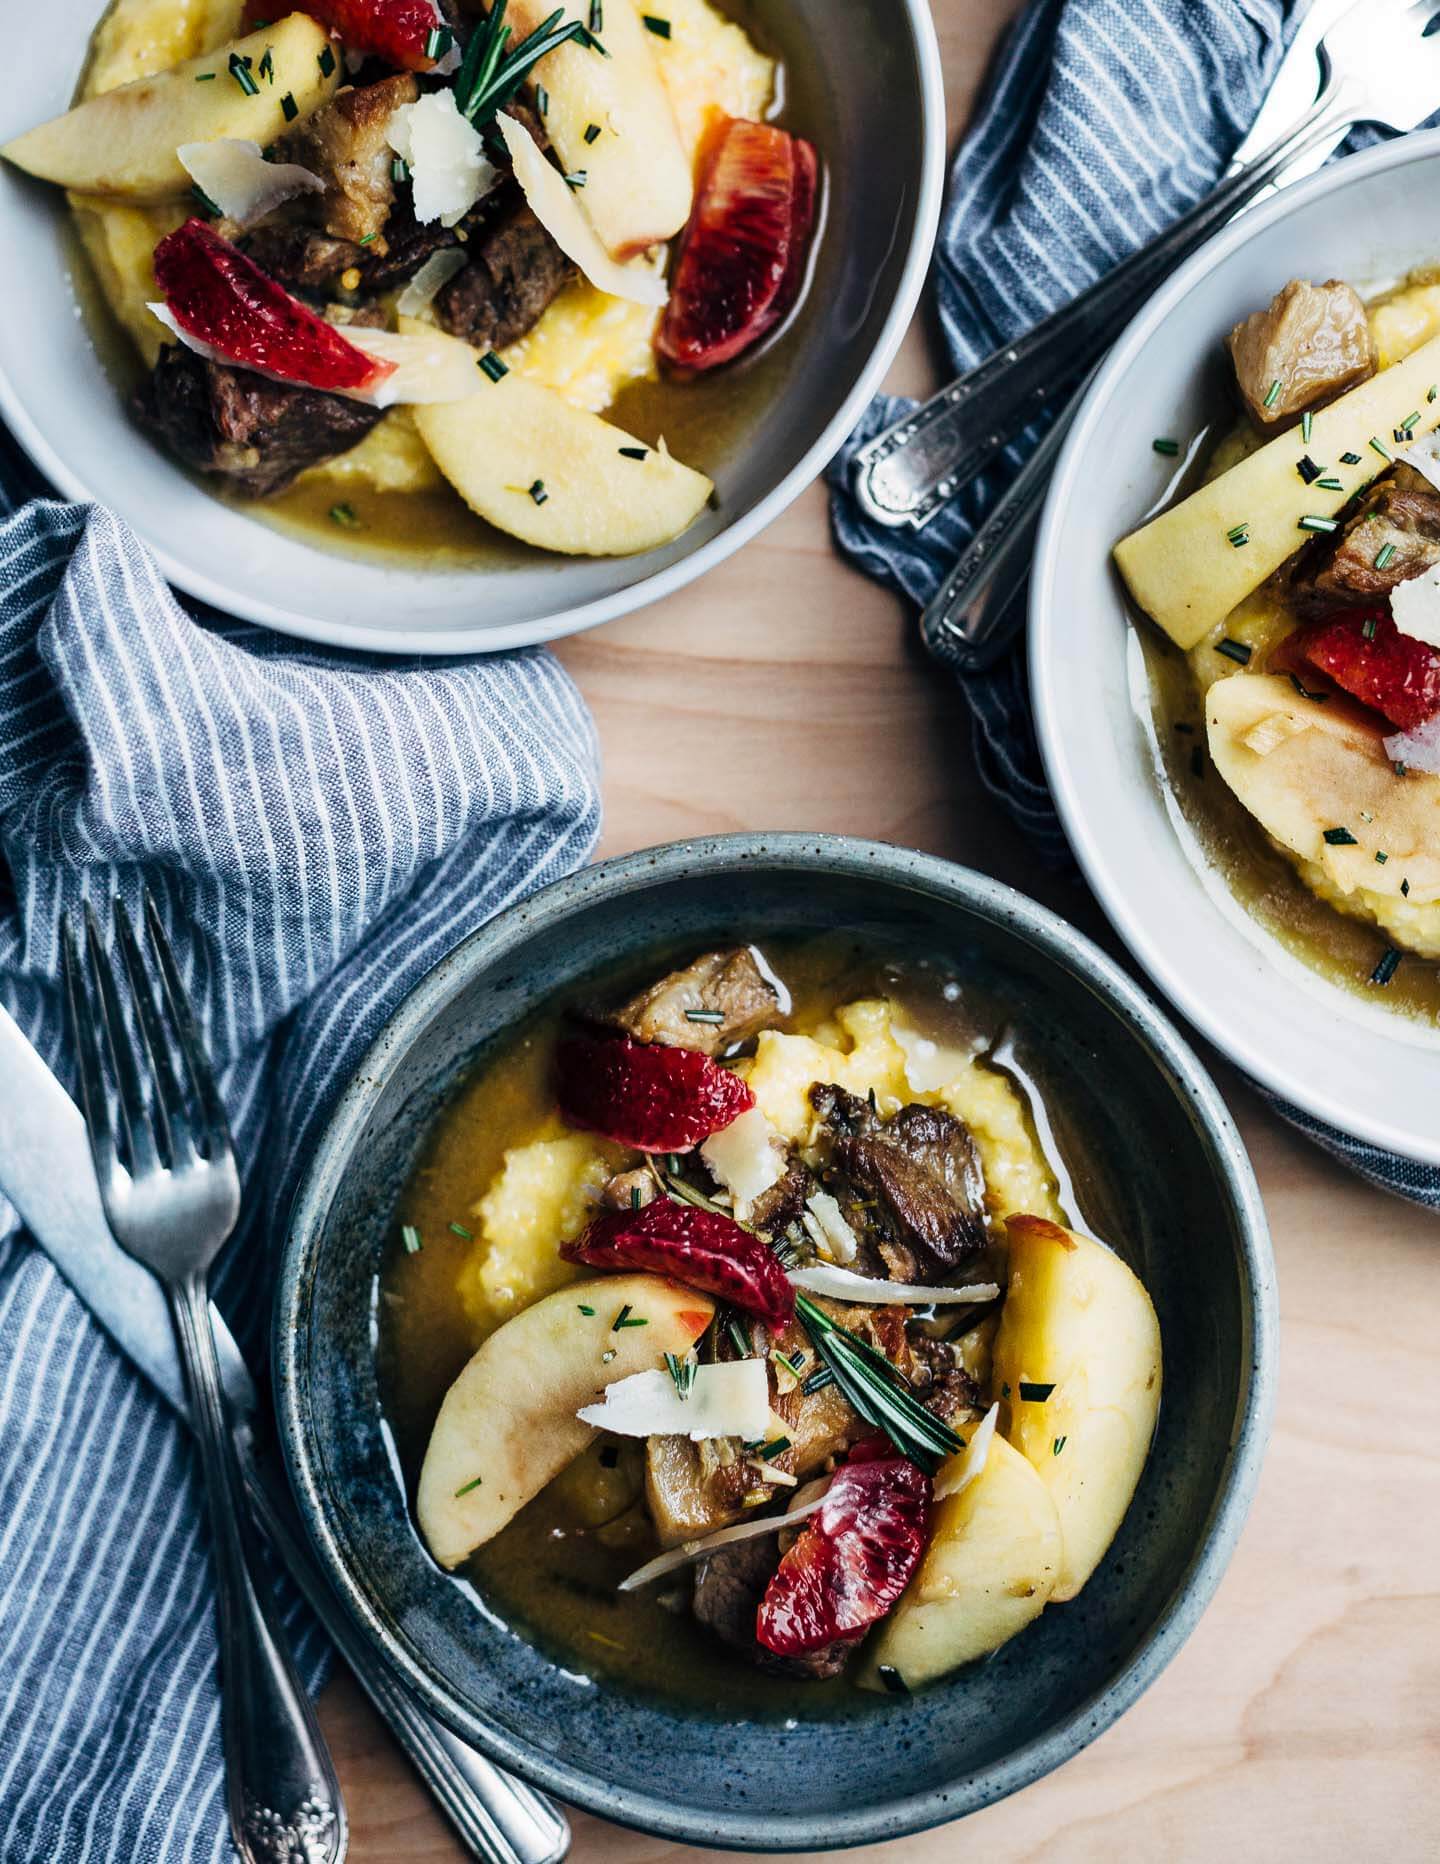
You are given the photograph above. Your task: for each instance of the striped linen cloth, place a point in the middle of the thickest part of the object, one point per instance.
(1103, 121)
(318, 830)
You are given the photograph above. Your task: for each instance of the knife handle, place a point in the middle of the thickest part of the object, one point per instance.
(498, 1818)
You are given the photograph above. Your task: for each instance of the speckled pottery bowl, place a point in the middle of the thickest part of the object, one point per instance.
(1187, 1212)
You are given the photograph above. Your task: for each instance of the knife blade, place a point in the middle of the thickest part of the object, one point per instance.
(47, 1173)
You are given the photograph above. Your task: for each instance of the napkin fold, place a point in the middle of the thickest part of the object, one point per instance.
(317, 829)
(1101, 123)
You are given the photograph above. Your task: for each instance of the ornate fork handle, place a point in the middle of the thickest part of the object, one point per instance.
(286, 1806)
(906, 474)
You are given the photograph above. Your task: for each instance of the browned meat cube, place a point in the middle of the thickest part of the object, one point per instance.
(1394, 537)
(728, 1589)
(515, 272)
(1309, 345)
(722, 998)
(344, 144)
(302, 258)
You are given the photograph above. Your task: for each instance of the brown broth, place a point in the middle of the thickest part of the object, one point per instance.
(549, 1574)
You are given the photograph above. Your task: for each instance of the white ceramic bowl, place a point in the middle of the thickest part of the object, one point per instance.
(875, 89)
(1344, 1061)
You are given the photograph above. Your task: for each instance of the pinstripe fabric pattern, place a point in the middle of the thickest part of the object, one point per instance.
(1102, 122)
(318, 830)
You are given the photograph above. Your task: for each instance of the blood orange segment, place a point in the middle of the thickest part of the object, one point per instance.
(854, 1559)
(1363, 651)
(409, 34)
(743, 256)
(653, 1098)
(223, 299)
(699, 1248)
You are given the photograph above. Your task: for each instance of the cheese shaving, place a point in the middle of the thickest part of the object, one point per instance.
(234, 175)
(429, 281)
(691, 1550)
(958, 1472)
(842, 1285)
(731, 1400)
(449, 169)
(747, 1156)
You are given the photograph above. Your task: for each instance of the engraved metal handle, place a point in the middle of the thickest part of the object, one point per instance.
(498, 1817)
(284, 1799)
(906, 474)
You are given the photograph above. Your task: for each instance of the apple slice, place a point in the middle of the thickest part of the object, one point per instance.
(508, 1424)
(124, 143)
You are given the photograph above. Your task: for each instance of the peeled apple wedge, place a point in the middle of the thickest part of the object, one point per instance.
(1301, 768)
(122, 144)
(1076, 1318)
(508, 1423)
(1182, 568)
(994, 1556)
(553, 474)
(638, 179)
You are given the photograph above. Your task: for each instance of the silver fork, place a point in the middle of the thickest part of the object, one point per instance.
(171, 1192)
(1381, 69)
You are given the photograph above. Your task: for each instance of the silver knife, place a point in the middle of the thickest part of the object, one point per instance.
(46, 1172)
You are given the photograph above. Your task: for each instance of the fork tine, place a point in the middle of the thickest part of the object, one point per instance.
(93, 1099)
(171, 1117)
(143, 1155)
(187, 1036)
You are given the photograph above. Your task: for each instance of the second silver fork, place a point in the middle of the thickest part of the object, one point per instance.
(167, 1176)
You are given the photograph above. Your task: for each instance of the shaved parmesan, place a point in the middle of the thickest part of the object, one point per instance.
(691, 1550)
(449, 169)
(554, 204)
(836, 1238)
(929, 1066)
(423, 368)
(1416, 607)
(958, 1472)
(235, 176)
(731, 1400)
(1418, 749)
(1424, 455)
(747, 1156)
(429, 281)
(842, 1285)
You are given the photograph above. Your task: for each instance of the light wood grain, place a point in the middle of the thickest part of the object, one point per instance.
(1302, 1720)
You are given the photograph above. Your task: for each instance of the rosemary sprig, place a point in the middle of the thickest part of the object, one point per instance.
(493, 71)
(878, 1390)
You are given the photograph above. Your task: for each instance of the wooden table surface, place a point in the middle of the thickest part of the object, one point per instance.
(1302, 1720)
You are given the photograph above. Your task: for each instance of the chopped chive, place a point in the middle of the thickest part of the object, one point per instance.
(1239, 535)
(1234, 650)
(399, 169)
(1272, 394)
(542, 100)
(578, 178)
(892, 1679)
(1432, 391)
(634, 453)
(1339, 838)
(1380, 447)
(366, 238)
(1329, 484)
(538, 492)
(1319, 524)
(817, 1381)
(326, 61)
(410, 1236)
(1399, 768)
(1319, 698)
(739, 1336)
(682, 1371)
(205, 77)
(777, 1446)
(289, 109)
(661, 30)
(621, 1318)
(592, 132)
(1384, 557)
(1058, 1445)
(240, 71)
(1410, 423)
(1368, 627)
(474, 1483)
(1405, 889)
(460, 1230)
(344, 516)
(635, 1320)
(1307, 469)
(1168, 447)
(1035, 1394)
(1307, 422)
(1349, 459)
(493, 367)
(438, 41)
(267, 65)
(1381, 856)
(597, 16)
(635, 1203)
(714, 1017)
(588, 1312)
(1389, 964)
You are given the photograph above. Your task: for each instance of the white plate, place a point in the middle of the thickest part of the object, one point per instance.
(1370, 1073)
(885, 174)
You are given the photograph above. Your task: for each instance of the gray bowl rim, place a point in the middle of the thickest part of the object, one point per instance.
(232, 599)
(1033, 925)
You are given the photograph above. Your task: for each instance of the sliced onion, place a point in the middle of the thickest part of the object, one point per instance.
(430, 280)
(842, 1285)
(245, 187)
(960, 1471)
(691, 1550)
(553, 203)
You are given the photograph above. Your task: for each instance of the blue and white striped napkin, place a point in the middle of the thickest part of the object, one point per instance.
(1103, 121)
(318, 829)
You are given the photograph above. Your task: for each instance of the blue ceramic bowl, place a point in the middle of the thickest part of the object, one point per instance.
(1170, 1171)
